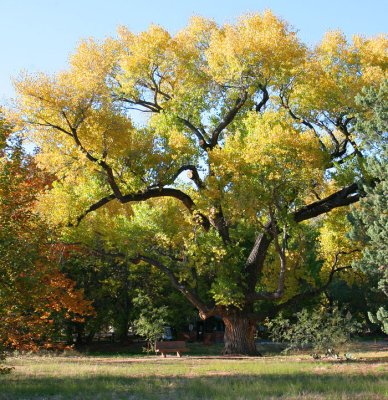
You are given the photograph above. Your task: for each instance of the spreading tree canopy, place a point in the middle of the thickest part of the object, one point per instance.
(209, 154)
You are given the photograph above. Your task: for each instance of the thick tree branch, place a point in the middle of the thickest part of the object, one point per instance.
(168, 192)
(150, 194)
(192, 174)
(197, 132)
(344, 197)
(255, 261)
(229, 117)
(264, 99)
(49, 125)
(218, 220)
(94, 207)
(140, 196)
(149, 106)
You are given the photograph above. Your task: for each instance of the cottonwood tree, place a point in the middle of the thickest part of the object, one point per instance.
(262, 127)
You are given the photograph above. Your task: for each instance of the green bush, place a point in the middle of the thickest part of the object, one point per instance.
(320, 330)
(380, 318)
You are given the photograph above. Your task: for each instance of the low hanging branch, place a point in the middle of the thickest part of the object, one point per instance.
(189, 293)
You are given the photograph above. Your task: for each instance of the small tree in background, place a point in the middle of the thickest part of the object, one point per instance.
(151, 322)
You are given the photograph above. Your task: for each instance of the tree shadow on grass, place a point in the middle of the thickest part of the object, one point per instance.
(243, 386)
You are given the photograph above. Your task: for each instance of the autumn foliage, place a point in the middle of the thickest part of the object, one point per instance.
(34, 295)
(263, 127)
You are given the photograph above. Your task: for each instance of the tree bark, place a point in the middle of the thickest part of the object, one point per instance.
(239, 335)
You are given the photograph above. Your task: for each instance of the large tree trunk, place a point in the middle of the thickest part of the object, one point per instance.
(239, 335)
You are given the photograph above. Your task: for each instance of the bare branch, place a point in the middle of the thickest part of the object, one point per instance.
(50, 125)
(94, 207)
(149, 194)
(149, 106)
(101, 163)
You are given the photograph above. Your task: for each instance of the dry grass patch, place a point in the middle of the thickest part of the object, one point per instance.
(292, 377)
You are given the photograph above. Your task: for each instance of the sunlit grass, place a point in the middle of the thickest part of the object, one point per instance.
(280, 377)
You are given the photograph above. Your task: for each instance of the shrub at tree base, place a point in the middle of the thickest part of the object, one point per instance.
(320, 330)
(380, 318)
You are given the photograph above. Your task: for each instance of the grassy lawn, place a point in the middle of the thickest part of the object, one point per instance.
(195, 377)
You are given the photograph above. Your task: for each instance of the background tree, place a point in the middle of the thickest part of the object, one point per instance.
(263, 127)
(113, 283)
(370, 219)
(35, 297)
(151, 322)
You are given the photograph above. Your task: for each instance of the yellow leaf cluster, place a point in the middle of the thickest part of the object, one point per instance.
(266, 163)
(259, 47)
(335, 248)
(337, 70)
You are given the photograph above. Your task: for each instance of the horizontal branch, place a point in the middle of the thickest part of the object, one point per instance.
(150, 194)
(344, 197)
